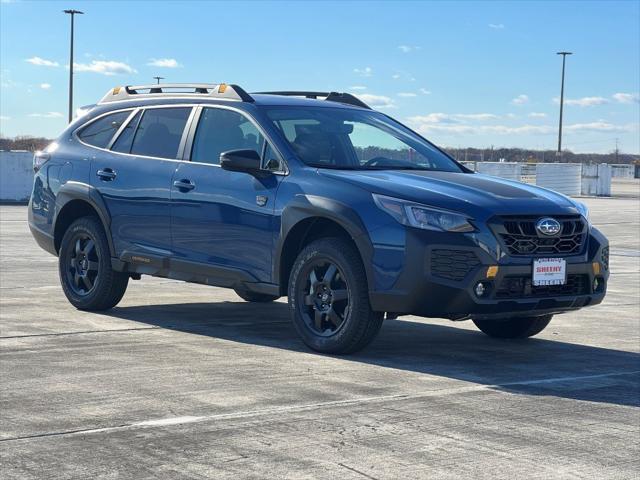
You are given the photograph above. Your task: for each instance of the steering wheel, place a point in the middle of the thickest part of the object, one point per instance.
(375, 161)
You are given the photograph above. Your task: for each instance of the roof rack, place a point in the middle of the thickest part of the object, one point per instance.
(339, 97)
(221, 90)
(217, 90)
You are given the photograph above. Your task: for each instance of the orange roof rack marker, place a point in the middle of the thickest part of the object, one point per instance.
(211, 90)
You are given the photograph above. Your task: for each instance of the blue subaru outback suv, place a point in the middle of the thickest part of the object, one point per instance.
(314, 196)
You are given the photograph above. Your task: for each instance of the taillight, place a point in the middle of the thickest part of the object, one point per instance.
(39, 159)
(42, 156)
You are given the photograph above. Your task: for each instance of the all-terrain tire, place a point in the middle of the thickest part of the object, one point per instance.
(515, 327)
(359, 323)
(98, 286)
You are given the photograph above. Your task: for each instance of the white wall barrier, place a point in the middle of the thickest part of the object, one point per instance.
(567, 178)
(528, 174)
(562, 177)
(508, 170)
(16, 176)
(589, 179)
(622, 171)
(605, 172)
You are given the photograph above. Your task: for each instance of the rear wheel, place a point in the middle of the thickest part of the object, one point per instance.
(84, 266)
(255, 297)
(515, 327)
(329, 298)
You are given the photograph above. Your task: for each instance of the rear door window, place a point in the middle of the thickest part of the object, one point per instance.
(124, 141)
(100, 132)
(160, 131)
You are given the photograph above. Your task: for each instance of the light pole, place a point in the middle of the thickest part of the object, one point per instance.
(73, 14)
(564, 57)
(158, 79)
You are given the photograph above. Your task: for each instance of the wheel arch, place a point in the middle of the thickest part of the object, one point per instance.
(76, 200)
(309, 218)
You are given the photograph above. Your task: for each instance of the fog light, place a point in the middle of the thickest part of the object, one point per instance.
(481, 289)
(598, 285)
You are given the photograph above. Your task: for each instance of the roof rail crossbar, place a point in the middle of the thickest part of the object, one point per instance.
(340, 97)
(222, 90)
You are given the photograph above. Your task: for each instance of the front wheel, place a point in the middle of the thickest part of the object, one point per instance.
(515, 327)
(84, 265)
(329, 298)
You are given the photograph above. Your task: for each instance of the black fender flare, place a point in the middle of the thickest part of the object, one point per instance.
(71, 191)
(303, 207)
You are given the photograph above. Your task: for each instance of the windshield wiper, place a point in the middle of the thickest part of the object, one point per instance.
(395, 167)
(334, 167)
(363, 168)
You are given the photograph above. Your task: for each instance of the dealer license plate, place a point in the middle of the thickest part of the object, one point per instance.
(549, 271)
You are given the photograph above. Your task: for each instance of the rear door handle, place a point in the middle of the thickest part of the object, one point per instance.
(184, 185)
(106, 174)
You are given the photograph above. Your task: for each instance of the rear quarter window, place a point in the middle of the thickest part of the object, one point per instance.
(100, 132)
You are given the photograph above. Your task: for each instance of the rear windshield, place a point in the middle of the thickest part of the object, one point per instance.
(356, 139)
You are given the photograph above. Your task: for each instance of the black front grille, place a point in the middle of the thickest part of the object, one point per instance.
(522, 287)
(520, 237)
(452, 264)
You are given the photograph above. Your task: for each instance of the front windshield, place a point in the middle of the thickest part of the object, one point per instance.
(342, 138)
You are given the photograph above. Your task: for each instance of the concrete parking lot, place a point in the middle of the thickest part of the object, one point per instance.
(188, 381)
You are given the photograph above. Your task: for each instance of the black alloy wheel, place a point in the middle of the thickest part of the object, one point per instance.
(83, 264)
(325, 297)
(329, 298)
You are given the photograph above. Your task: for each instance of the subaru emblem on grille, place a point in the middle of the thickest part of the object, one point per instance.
(548, 226)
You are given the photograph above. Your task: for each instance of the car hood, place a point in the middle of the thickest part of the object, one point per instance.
(475, 194)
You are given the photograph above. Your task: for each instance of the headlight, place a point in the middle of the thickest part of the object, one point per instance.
(421, 216)
(582, 208)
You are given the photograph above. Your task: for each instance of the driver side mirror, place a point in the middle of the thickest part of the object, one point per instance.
(247, 161)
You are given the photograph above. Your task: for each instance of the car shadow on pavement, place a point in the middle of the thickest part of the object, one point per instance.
(520, 366)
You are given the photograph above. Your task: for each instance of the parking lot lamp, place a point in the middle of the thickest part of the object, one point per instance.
(564, 56)
(73, 14)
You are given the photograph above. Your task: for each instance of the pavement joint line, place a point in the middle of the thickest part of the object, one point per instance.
(164, 422)
(81, 332)
(357, 471)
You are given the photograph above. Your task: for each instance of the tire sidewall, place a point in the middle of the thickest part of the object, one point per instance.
(87, 226)
(325, 251)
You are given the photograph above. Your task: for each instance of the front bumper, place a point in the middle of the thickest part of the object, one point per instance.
(422, 290)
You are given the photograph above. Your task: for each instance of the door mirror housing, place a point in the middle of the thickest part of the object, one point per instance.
(247, 161)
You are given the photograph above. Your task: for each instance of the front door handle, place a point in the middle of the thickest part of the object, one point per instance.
(106, 174)
(184, 185)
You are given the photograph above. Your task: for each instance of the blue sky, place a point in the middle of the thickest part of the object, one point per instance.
(462, 73)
